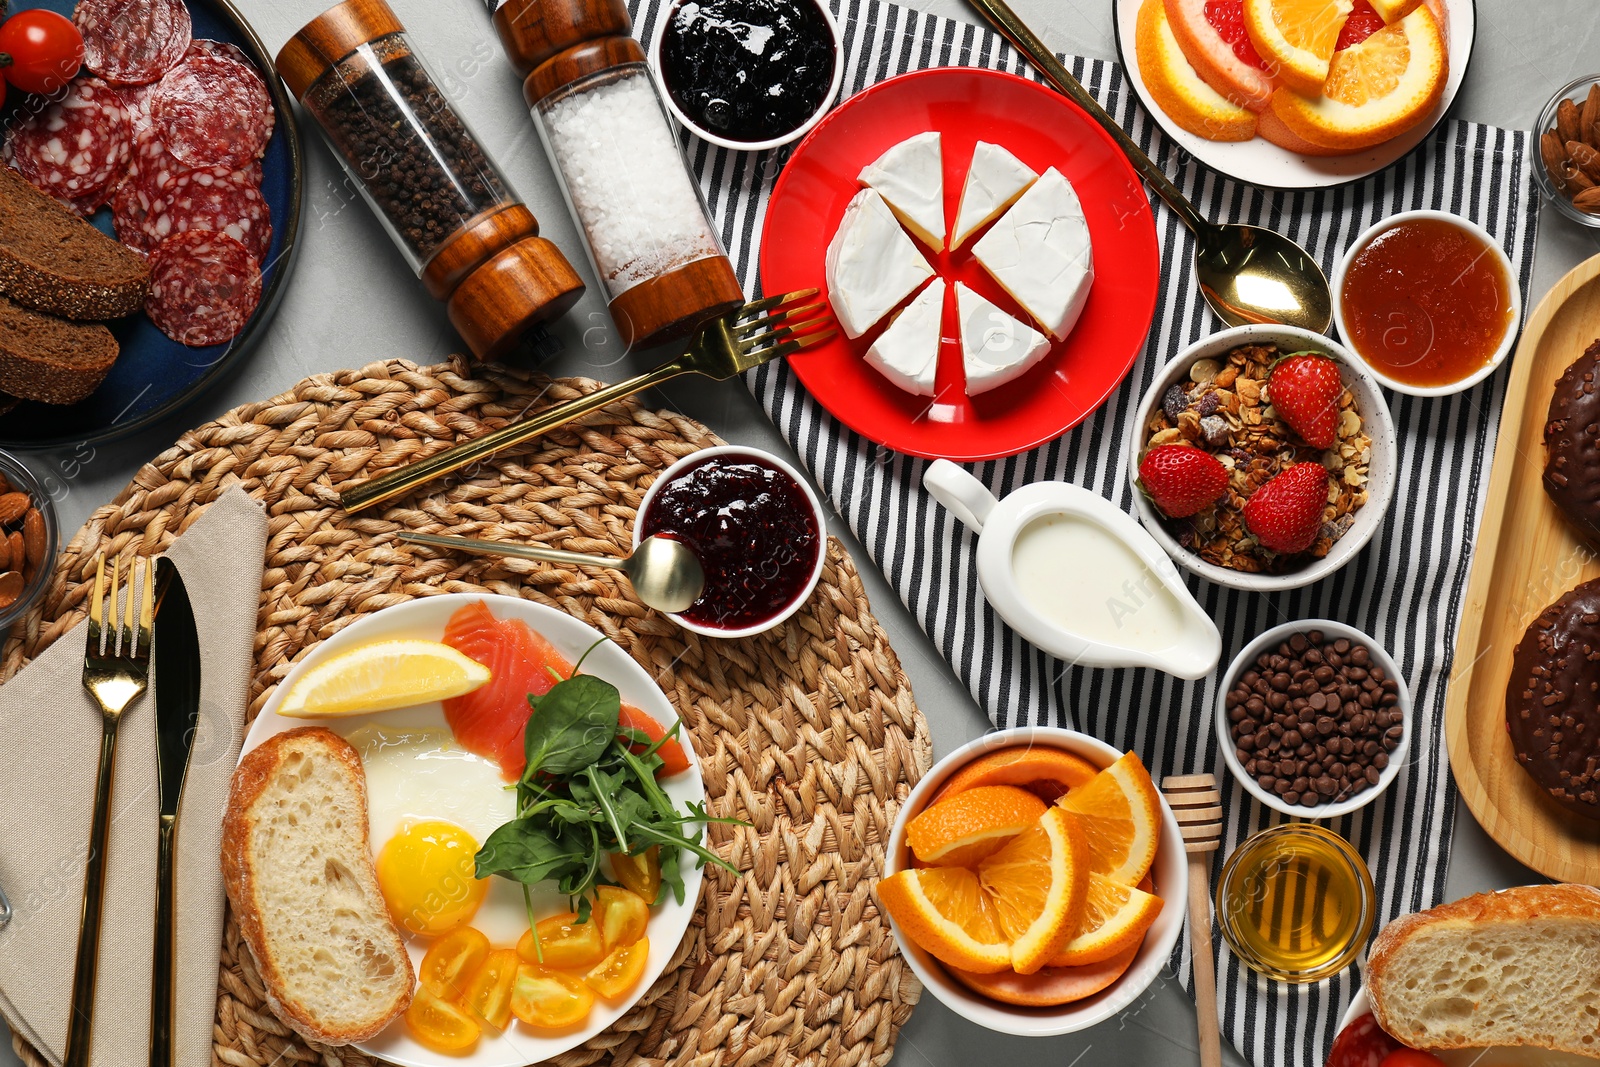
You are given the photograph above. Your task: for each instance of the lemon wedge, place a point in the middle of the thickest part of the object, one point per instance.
(381, 677)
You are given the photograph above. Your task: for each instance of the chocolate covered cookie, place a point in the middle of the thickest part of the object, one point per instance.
(1553, 700)
(1572, 444)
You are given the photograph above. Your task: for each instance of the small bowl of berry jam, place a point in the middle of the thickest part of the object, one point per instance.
(748, 74)
(758, 529)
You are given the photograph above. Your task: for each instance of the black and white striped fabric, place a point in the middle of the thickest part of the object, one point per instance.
(1405, 589)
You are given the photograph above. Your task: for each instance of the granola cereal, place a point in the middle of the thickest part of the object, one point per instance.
(1224, 408)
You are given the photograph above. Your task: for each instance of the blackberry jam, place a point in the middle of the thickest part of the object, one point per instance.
(754, 530)
(747, 70)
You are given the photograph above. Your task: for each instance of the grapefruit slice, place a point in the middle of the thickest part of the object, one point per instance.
(1050, 986)
(1271, 128)
(1212, 36)
(1297, 37)
(1178, 90)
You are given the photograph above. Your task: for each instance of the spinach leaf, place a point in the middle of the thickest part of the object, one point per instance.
(526, 851)
(571, 726)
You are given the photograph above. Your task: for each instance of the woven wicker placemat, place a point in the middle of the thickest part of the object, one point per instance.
(808, 732)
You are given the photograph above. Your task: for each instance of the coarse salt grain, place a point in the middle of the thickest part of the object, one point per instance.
(626, 180)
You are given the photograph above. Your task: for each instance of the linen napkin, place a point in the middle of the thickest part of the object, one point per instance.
(50, 735)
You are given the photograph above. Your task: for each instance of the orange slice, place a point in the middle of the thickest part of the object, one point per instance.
(1296, 37)
(961, 830)
(1271, 128)
(1392, 11)
(1177, 87)
(1038, 882)
(947, 912)
(1375, 90)
(1122, 820)
(1115, 918)
(1045, 772)
(1050, 986)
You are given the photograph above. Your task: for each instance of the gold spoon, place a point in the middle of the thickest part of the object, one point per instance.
(1248, 274)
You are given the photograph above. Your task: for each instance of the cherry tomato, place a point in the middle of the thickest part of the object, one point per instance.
(440, 1024)
(451, 962)
(640, 873)
(563, 941)
(622, 914)
(549, 999)
(1410, 1057)
(40, 51)
(618, 972)
(488, 994)
(673, 759)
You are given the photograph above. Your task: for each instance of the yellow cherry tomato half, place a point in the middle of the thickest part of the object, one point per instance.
(440, 1024)
(451, 962)
(549, 999)
(640, 873)
(617, 973)
(623, 915)
(488, 993)
(563, 942)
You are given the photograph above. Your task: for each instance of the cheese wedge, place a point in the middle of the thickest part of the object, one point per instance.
(995, 348)
(911, 178)
(907, 353)
(994, 181)
(1039, 252)
(871, 264)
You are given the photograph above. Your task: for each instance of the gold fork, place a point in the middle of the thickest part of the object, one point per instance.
(114, 676)
(743, 339)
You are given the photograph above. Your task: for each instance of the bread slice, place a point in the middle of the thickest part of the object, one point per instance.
(51, 260)
(1518, 967)
(297, 864)
(49, 359)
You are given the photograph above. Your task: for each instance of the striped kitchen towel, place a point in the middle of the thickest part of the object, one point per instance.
(1405, 589)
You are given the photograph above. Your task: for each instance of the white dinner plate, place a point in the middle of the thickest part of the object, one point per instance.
(1259, 162)
(425, 618)
(1477, 1057)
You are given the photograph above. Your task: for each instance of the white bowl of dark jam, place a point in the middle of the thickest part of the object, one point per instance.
(757, 527)
(748, 74)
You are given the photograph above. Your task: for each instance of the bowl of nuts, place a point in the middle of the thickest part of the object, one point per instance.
(1263, 458)
(28, 539)
(1314, 719)
(1567, 166)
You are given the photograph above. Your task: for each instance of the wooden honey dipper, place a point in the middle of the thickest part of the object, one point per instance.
(1197, 805)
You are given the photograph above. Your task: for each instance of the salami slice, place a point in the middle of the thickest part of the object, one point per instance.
(204, 286)
(150, 169)
(212, 198)
(133, 42)
(213, 110)
(74, 148)
(1361, 1044)
(205, 46)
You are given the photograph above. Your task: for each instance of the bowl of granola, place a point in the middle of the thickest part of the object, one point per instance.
(1257, 491)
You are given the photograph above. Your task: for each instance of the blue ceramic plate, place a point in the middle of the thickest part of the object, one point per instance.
(155, 375)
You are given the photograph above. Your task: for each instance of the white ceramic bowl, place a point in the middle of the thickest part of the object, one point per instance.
(1170, 876)
(749, 146)
(821, 516)
(1507, 343)
(1245, 660)
(1379, 426)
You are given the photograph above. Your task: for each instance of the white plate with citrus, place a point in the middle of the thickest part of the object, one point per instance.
(1296, 94)
(436, 793)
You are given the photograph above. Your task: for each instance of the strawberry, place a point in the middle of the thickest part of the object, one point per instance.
(1305, 388)
(1286, 513)
(1182, 479)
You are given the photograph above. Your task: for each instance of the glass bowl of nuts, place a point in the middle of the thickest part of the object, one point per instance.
(28, 539)
(1314, 719)
(1567, 165)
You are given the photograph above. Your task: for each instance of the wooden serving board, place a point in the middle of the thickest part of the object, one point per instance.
(1527, 556)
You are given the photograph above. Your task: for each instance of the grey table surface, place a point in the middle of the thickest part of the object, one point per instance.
(351, 300)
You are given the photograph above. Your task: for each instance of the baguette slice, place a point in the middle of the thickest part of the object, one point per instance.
(52, 360)
(1518, 967)
(53, 261)
(297, 864)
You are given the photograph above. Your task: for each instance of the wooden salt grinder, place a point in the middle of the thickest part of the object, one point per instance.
(1197, 805)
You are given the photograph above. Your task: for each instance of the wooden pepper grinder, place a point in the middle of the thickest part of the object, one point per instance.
(1197, 805)
(617, 157)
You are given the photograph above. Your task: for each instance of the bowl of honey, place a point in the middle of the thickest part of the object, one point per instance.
(1428, 301)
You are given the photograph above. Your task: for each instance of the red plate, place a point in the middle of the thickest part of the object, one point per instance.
(1043, 129)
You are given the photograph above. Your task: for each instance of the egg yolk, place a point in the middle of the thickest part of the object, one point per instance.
(426, 874)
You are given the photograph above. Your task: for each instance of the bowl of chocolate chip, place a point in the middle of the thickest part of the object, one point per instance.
(1314, 719)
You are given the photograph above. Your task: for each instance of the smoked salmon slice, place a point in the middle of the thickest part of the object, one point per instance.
(490, 720)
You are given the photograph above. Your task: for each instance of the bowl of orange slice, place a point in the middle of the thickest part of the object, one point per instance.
(1035, 881)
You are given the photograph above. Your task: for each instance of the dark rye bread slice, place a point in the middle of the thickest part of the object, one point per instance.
(49, 359)
(51, 260)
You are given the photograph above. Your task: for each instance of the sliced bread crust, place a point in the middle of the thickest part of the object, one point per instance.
(297, 865)
(1516, 967)
(53, 261)
(49, 359)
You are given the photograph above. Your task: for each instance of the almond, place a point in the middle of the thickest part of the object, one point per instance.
(33, 537)
(1591, 109)
(13, 506)
(1588, 200)
(10, 588)
(1569, 121)
(1577, 180)
(1584, 156)
(1552, 149)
